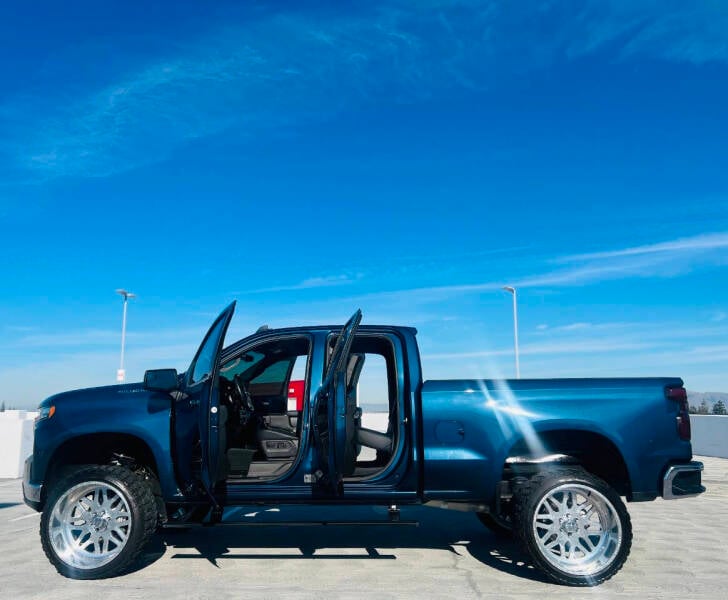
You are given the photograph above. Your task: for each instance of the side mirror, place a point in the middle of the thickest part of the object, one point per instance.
(161, 380)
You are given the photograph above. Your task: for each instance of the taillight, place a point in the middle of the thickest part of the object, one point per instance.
(680, 395)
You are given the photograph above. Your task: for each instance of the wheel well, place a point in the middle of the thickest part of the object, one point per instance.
(596, 453)
(101, 449)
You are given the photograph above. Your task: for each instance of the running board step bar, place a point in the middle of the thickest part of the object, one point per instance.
(289, 524)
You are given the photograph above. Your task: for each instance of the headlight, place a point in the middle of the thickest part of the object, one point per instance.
(45, 412)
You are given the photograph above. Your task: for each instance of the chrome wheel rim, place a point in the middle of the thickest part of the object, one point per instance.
(90, 524)
(577, 529)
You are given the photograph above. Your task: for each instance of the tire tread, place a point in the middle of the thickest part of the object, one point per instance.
(141, 492)
(522, 493)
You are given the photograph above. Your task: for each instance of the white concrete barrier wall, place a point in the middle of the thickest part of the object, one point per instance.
(710, 435)
(16, 441)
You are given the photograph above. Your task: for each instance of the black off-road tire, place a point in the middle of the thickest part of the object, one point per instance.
(139, 496)
(529, 494)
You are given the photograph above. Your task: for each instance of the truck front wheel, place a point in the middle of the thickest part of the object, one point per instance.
(96, 521)
(574, 526)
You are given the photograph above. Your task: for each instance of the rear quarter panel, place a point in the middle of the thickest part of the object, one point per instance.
(470, 427)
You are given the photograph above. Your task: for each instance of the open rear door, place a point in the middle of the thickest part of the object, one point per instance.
(199, 407)
(332, 430)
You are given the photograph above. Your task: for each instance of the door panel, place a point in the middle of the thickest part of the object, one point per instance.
(330, 415)
(198, 426)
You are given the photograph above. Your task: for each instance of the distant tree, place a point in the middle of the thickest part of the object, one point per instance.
(2, 406)
(703, 408)
(692, 410)
(719, 408)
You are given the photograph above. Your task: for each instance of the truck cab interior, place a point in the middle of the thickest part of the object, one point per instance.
(373, 406)
(262, 394)
(262, 431)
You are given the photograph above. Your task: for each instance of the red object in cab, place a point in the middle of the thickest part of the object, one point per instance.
(295, 395)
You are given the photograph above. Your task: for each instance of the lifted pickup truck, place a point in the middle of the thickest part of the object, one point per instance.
(545, 460)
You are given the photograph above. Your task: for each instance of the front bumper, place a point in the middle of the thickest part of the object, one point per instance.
(31, 491)
(682, 481)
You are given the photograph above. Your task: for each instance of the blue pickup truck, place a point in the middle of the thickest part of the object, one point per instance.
(546, 461)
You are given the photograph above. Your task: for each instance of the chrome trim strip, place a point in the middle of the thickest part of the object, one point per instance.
(670, 476)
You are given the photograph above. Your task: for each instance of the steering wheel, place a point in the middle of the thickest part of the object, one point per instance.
(247, 407)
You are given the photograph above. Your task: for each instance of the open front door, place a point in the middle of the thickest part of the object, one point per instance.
(198, 410)
(333, 427)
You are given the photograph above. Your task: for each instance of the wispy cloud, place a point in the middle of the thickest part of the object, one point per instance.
(661, 260)
(719, 316)
(20, 328)
(691, 32)
(89, 337)
(242, 77)
(572, 347)
(573, 327)
(427, 294)
(106, 337)
(579, 339)
(664, 259)
(687, 245)
(237, 77)
(581, 328)
(586, 274)
(633, 349)
(308, 284)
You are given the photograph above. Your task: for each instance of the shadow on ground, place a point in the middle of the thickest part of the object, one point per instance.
(450, 531)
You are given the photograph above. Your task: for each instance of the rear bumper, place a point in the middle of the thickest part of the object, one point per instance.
(31, 491)
(682, 481)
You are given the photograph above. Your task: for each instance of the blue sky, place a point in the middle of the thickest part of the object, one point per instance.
(408, 158)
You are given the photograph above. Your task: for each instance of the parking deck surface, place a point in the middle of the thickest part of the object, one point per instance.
(680, 550)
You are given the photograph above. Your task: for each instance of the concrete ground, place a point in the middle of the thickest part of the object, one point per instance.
(680, 550)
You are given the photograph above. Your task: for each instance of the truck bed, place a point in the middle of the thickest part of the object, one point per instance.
(484, 422)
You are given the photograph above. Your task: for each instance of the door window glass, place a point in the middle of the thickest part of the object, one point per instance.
(275, 376)
(205, 359)
(277, 372)
(241, 365)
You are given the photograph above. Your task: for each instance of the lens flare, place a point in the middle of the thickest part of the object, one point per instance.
(511, 416)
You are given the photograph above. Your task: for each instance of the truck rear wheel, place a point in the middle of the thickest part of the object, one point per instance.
(501, 527)
(96, 521)
(574, 526)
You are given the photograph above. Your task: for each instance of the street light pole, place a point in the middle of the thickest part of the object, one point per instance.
(512, 290)
(121, 374)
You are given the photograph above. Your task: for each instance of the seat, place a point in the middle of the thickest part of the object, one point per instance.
(276, 442)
